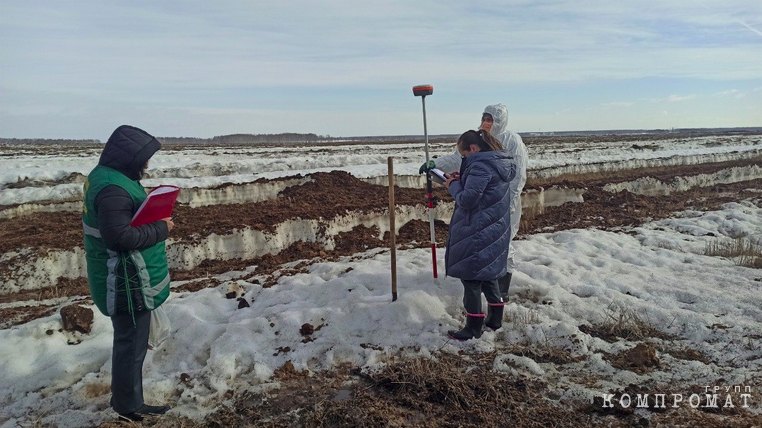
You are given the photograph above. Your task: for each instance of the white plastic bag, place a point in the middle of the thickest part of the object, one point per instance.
(159, 331)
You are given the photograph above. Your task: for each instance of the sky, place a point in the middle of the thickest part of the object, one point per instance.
(78, 69)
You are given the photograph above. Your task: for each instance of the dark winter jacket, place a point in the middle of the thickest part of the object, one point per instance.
(480, 228)
(127, 151)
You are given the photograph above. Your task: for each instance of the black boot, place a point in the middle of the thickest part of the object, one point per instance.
(473, 329)
(504, 283)
(494, 316)
(147, 410)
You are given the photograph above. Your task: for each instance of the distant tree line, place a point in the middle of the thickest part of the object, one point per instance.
(292, 137)
(46, 141)
(289, 137)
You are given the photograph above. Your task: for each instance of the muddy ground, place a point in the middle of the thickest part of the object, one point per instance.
(337, 193)
(666, 175)
(328, 195)
(452, 391)
(447, 391)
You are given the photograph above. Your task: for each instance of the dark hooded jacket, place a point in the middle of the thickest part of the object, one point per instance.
(127, 151)
(480, 228)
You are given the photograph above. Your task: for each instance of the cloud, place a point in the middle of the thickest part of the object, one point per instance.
(672, 98)
(337, 44)
(734, 93)
(677, 98)
(208, 55)
(618, 104)
(750, 28)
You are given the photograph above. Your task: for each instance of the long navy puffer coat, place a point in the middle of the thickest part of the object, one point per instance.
(480, 228)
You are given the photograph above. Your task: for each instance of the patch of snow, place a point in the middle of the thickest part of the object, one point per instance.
(563, 280)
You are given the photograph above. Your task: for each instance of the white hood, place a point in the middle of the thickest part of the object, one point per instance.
(499, 115)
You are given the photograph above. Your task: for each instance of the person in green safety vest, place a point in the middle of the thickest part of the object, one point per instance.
(127, 269)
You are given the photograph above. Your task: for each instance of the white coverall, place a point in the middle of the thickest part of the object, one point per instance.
(512, 144)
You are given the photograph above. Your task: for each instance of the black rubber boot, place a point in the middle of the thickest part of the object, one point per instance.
(147, 410)
(473, 329)
(504, 283)
(494, 318)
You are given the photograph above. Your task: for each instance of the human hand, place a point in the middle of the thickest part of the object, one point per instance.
(455, 175)
(450, 179)
(170, 223)
(425, 167)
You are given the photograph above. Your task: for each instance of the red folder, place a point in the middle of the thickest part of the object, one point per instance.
(158, 205)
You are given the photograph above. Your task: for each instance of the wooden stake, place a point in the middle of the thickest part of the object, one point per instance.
(392, 229)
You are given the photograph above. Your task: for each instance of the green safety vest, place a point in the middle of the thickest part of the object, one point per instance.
(104, 265)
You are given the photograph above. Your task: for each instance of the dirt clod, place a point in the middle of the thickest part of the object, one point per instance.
(287, 371)
(185, 379)
(687, 354)
(77, 318)
(640, 359)
(307, 329)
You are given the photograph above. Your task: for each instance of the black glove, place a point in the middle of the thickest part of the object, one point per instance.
(425, 167)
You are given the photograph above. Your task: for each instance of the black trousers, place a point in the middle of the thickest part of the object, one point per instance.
(130, 347)
(472, 295)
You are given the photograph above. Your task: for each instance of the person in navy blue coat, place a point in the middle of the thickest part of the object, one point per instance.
(480, 228)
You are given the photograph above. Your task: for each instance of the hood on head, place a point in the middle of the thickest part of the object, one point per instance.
(499, 115)
(128, 149)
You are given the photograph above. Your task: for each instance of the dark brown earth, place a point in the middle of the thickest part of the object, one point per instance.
(451, 391)
(337, 193)
(446, 391)
(603, 210)
(685, 354)
(23, 314)
(664, 174)
(65, 288)
(640, 359)
(637, 139)
(329, 195)
(77, 318)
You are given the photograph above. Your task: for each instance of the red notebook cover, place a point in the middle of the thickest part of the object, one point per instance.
(158, 205)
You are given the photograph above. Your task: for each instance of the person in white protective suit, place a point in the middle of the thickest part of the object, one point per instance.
(495, 120)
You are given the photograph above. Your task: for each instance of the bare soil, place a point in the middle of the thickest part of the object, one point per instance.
(321, 199)
(329, 195)
(336, 193)
(641, 359)
(446, 391)
(449, 391)
(663, 174)
(606, 210)
(23, 314)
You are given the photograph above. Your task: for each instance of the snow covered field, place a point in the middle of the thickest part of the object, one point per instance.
(207, 167)
(565, 280)
(585, 280)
